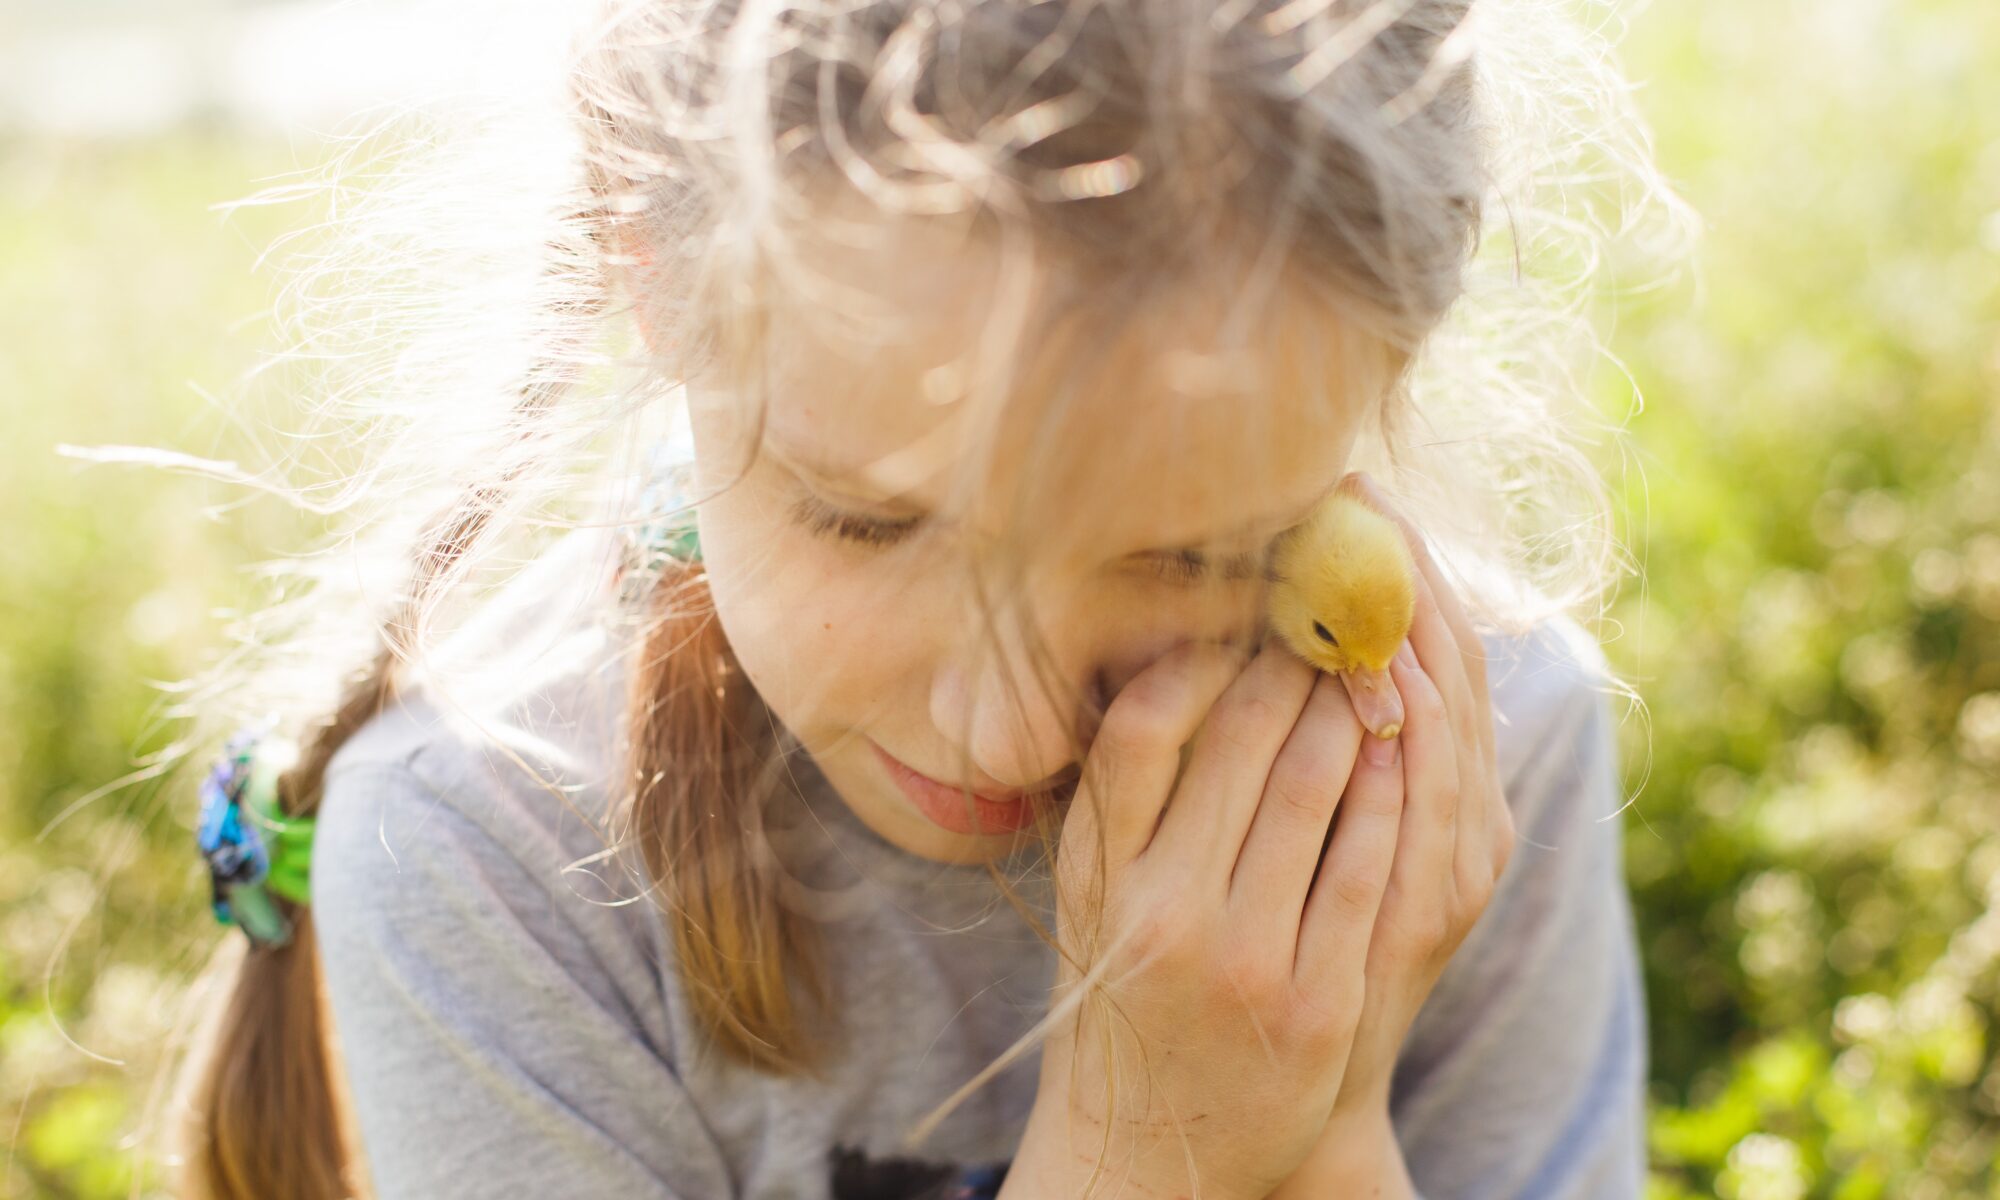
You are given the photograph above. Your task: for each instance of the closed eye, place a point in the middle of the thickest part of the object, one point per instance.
(1325, 634)
(824, 520)
(1184, 566)
(1190, 565)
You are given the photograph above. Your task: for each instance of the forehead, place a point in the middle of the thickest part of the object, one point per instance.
(1104, 417)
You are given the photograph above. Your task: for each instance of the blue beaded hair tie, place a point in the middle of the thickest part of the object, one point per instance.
(254, 851)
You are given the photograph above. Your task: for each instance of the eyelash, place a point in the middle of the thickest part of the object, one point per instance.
(823, 520)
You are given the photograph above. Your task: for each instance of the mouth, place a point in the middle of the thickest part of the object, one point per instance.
(983, 813)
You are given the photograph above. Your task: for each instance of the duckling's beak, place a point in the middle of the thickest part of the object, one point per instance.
(1376, 701)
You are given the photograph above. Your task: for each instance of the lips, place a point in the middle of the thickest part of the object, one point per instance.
(947, 806)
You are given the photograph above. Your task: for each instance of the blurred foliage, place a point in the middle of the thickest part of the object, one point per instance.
(1815, 853)
(123, 298)
(1815, 843)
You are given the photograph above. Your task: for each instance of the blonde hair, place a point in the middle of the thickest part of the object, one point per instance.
(1451, 172)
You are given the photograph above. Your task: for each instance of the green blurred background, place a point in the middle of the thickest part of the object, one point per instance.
(1815, 843)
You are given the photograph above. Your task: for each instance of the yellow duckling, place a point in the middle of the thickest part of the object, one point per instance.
(1343, 596)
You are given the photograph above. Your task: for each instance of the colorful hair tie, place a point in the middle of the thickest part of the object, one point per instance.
(671, 537)
(675, 534)
(254, 851)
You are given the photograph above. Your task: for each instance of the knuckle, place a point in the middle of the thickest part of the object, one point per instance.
(1139, 725)
(1475, 665)
(1402, 918)
(1503, 852)
(1423, 935)
(1354, 892)
(1247, 976)
(1435, 929)
(1449, 797)
(1475, 887)
(1326, 1017)
(1380, 796)
(1466, 727)
(1505, 834)
(1430, 702)
(1159, 928)
(1240, 723)
(1301, 794)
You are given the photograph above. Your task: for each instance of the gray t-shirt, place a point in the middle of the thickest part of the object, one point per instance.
(511, 1022)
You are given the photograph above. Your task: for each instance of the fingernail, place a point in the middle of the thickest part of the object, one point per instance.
(1383, 752)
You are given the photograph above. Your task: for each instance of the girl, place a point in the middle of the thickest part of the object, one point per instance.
(913, 806)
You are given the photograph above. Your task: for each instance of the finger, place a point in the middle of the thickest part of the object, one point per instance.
(1230, 763)
(1283, 849)
(1426, 849)
(1448, 604)
(1439, 649)
(1486, 827)
(1484, 844)
(1339, 915)
(1501, 834)
(1135, 756)
(1470, 729)
(1439, 654)
(1479, 790)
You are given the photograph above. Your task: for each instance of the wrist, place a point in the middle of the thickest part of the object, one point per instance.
(1357, 1156)
(1064, 1156)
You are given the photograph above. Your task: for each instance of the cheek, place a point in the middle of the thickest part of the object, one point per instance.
(821, 633)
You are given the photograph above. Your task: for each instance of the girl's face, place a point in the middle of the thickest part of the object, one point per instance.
(843, 560)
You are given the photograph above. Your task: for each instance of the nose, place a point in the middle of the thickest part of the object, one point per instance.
(1022, 717)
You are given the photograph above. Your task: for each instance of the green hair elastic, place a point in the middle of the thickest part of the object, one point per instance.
(256, 854)
(673, 537)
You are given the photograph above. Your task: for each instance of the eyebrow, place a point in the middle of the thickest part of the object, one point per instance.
(838, 478)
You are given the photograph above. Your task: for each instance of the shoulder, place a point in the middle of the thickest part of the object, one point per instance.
(432, 789)
(1553, 720)
(512, 727)
(535, 780)
(501, 980)
(471, 826)
(446, 883)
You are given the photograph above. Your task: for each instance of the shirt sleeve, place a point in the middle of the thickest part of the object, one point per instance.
(499, 1026)
(1523, 1076)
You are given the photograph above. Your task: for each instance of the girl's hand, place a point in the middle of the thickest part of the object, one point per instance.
(1457, 836)
(1229, 963)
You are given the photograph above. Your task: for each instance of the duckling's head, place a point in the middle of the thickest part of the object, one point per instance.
(1343, 596)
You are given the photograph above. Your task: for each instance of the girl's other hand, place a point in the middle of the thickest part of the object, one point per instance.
(1457, 837)
(1230, 965)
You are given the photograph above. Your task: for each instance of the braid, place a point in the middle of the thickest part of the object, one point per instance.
(264, 1115)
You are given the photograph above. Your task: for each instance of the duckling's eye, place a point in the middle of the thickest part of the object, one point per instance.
(824, 520)
(1324, 634)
